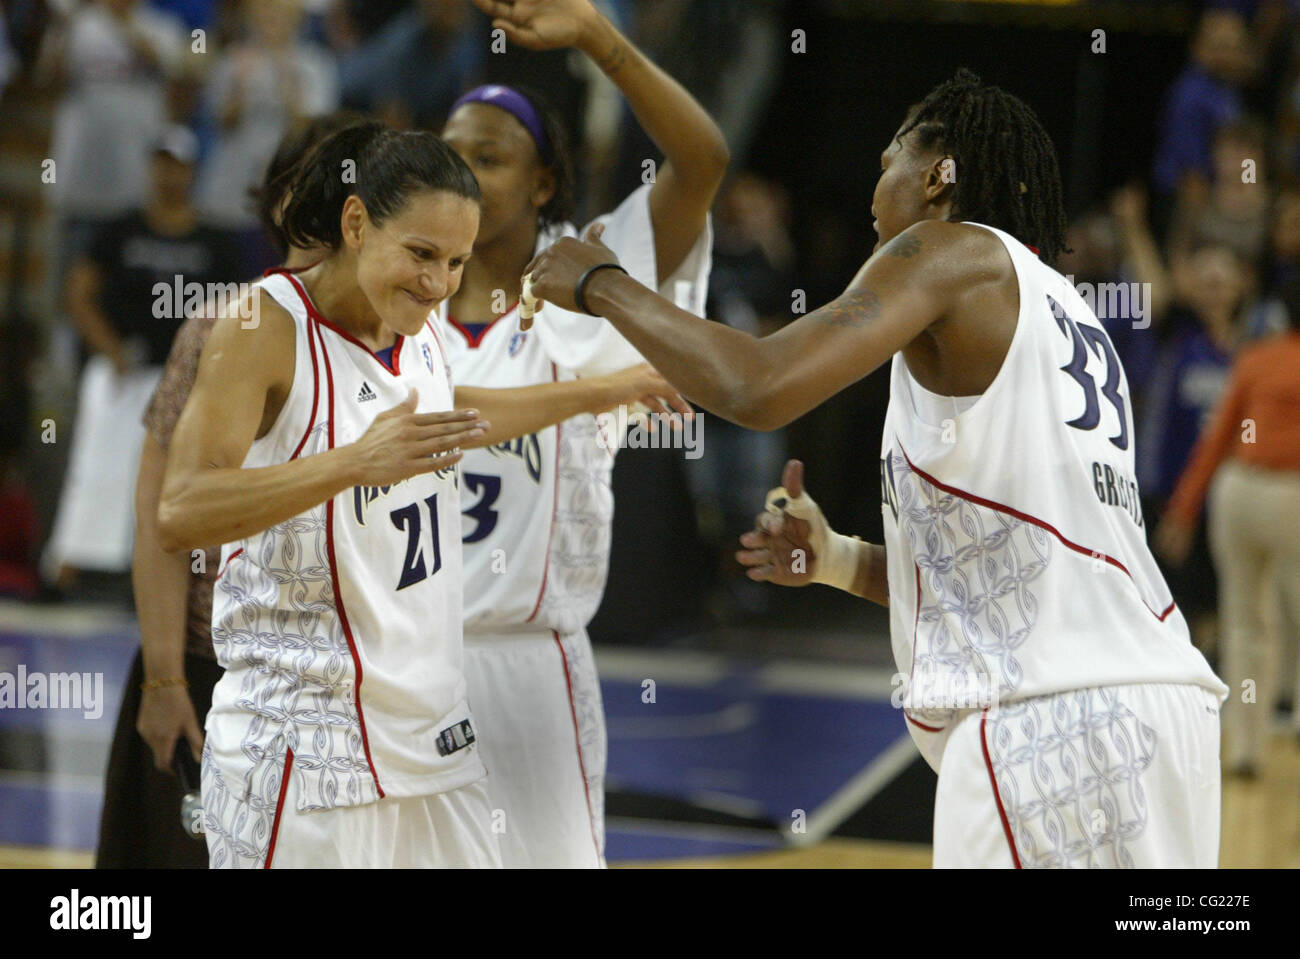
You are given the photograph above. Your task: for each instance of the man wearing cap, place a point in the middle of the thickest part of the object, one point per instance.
(113, 294)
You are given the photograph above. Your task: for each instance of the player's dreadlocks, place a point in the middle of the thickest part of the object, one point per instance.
(1006, 173)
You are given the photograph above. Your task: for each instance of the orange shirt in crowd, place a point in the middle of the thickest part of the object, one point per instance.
(1257, 422)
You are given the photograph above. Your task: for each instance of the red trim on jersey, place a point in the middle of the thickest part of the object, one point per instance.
(287, 270)
(555, 505)
(1041, 524)
(334, 581)
(315, 389)
(279, 808)
(228, 562)
(997, 797)
(315, 314)
(577, 743)
(1032, 249)
(441, 350)
(474, 340)
(928, 729)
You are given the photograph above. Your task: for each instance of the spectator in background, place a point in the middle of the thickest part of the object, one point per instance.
(1204, 98)
(128, 328)
(410, 72)
(750, 289)
(1250, 452)
(9, 64)
(1201, 335)
(114, 58)
(18, 522)
(260, 86)
(1284, 240)
(1235, 210)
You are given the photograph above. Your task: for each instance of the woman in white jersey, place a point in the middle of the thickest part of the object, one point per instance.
(1051, 680)
(318, 445)
(538, 510)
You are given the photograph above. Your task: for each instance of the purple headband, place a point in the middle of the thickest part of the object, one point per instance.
(517, 105)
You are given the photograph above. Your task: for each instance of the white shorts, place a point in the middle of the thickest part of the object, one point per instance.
(267, 830)
(541, 733)
(1117, 776)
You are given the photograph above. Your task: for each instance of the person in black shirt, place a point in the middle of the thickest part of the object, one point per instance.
(115, 295)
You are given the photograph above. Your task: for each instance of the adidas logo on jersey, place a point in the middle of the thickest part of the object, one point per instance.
(366, 393)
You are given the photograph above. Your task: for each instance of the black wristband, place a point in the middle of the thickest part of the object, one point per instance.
(581, 288)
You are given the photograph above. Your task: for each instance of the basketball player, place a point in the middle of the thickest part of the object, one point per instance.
(539, 510)
(318, 445)
(1050, 679)
(171, 682)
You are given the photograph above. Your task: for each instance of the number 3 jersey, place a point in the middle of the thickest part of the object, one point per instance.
(340, 629)
(1015, 540)
(538, 510)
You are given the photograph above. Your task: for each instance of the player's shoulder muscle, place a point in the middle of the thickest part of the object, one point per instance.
(256, 349)
(943, 252)
(248, 361)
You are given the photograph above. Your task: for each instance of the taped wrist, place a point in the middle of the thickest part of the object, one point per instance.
(836, 561)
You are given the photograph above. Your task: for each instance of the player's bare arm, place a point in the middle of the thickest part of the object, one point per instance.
(526, 409)
(161, 584)
(242, 381)
(695, 151)
(934, 271)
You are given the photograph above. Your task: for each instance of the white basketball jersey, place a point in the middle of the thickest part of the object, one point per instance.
(340, 629)
(1015, 541)
(538, 510)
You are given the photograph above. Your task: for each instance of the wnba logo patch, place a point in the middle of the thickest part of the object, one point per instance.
(428, 356)
(516, 342)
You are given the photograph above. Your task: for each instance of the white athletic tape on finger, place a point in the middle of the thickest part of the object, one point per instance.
(836, 554)
(527, 303)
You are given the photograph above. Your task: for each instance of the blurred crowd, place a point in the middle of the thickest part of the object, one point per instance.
(169, 111)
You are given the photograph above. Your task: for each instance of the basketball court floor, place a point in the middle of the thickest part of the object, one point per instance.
(714, 759)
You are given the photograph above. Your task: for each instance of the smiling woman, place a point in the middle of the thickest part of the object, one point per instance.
(398, 211)
(336, 397)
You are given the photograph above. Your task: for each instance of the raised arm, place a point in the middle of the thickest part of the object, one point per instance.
(208, 498)
(765, 383)
(695, 152)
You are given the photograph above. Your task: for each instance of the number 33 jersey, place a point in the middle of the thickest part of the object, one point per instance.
(340, 629)
(1015, 541)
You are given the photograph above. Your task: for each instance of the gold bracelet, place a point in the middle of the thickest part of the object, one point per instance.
(161, 683)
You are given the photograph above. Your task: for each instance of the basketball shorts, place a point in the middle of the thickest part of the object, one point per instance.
(267, 830)
(541, 733)
(1109, 777)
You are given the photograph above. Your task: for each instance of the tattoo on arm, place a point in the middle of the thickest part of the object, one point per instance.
(612, 62)
(854, 308)
(903, 246)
